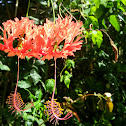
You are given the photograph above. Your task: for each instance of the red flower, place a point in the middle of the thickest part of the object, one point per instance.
(19, 33)
(53, 40)
(59, 40)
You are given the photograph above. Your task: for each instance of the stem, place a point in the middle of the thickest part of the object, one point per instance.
(55, 83)
(53, 10)
(69, 12)
(16, 7)
(17, 77)
(28, 8)
(68, 115)
(86, 96)
(62, 71)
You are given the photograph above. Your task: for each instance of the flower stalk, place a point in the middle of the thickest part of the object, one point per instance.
(54, 110)
(15, 101)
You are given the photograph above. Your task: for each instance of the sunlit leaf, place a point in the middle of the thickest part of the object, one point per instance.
(123, 1)
(97, 38)
(94, 21)
(4, 67)
(113, 20)
(23, 84)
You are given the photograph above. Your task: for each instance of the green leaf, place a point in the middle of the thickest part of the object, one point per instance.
(39, 62)
(35, 19)
(101, 64)
(40, 121)
(97, 3)
(38, 94)
(4, 67)
(50, 85)
(43, 2)
(123, 1)
(35, 76)
(113, 20)
(103, 23)
(26, 75)
(97, 38)
(70, 63)
(86, 11)
(67, 81)
(104, 2)
(43, 84)
(104, 54)
(93, 9)
(31, 95)
(23, 84)
(62, 78)
(99, 12)
(68, 74)
(94, 21)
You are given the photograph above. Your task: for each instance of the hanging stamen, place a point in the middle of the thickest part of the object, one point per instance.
(54, 110)
(15, 102)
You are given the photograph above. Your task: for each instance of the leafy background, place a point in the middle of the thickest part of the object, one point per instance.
(93, 69)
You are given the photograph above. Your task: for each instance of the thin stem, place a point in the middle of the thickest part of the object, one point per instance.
(28, 8)
(17, 76)
(62, 71)
(55, 82)
(16, 7)
(53, 10)
(69, 12)
(86, 96)
(69, 114)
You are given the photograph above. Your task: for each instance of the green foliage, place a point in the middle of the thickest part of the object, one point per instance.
(66, 78)
(97, 38)
(113, 20)
(4, 67)
(23, 84)
(35, 76)
(50, 85)
(70, 63)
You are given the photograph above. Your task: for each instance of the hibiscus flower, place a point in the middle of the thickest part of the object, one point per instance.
(18, 37)
(60, 39)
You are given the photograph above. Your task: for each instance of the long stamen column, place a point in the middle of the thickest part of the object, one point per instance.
(54, 110)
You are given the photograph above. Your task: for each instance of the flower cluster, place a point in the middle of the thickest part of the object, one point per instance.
(53, 40)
